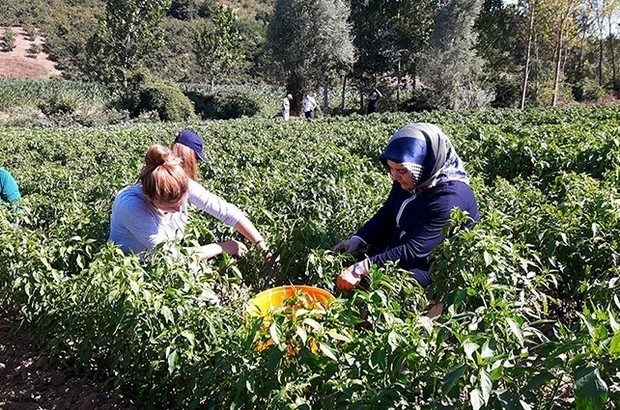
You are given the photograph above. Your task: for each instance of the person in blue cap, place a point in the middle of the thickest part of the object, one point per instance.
(429, 181)
(188, 146)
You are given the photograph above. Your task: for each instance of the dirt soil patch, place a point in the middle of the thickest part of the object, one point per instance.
(30, 379)
(19, 63)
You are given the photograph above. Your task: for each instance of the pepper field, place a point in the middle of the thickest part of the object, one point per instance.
(531, 293)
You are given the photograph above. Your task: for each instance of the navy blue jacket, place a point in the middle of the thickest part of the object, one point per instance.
(419, 226)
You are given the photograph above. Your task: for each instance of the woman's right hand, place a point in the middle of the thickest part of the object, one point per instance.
(234, 248)
(348, 245)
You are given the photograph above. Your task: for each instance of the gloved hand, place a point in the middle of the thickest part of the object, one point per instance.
(348, 245)
(351, 276)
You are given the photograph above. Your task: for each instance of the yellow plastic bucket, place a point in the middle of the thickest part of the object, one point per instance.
(274, 298)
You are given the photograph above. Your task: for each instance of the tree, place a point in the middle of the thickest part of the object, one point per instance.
(218, 46)
(8, 39)
(129, 32)
(309, 41)
(389, 35)
(530, 37)
(564, 8)
(450, 69)
(183, 9)
(498, 26)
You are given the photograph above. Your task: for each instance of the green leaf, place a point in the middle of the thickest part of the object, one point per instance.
(173, 359)
(167, 314)
(393, 340)
(328, 351)
(516, 330)
(334, 334)
(426, 323)
(509, 401)
(274, 332)
(469, 348)
(475, 398)
(488, 259)
(301, 332)
(275, 356)
(313, 324)
(486, 386)
(539, 380)
(614, 346)
(590, 389)
(189, 335)
(488, 349)
(451, 378)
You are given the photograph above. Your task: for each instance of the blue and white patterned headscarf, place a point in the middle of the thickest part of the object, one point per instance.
(427, 153)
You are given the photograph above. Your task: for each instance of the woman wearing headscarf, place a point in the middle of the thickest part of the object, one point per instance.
(429, 181)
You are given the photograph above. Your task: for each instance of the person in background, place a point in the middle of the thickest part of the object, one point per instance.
(286, 107)
(9, 192)
(428, 182)
(373, 101)
(155, 209)
(309, 106)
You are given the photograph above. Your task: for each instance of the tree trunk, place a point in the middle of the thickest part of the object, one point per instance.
(398, 82)
(296, 86)
(325, 97)
(599, 21)
(526, 71)
(558, 52)
(613, 55)
(556, 71)
(361, 99)
(344, 90)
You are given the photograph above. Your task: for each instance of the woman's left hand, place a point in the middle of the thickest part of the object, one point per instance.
(234, 248)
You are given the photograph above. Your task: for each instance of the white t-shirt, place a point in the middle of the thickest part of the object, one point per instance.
(136, 225)
(309, 103)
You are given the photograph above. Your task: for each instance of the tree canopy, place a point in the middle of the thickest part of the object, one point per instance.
(310, 40)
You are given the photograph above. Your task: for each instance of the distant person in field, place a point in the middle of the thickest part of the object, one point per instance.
(155, 209)
(428, 182)
(373, 101)
(9, 192)
(309, 106)
(286, 107)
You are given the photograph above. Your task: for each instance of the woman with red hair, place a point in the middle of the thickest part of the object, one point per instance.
(155, 209)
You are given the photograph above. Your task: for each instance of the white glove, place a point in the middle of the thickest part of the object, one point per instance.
(348, 245)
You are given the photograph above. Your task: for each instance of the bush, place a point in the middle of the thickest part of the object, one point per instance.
(59, 104)
(31, 31)
(34, 50)
(224, 104)
(507, 92)
(588, 90)
(147, 92)
(8, 39)
(421, 100)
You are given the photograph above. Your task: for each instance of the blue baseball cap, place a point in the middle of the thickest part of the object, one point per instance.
(192, 140)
